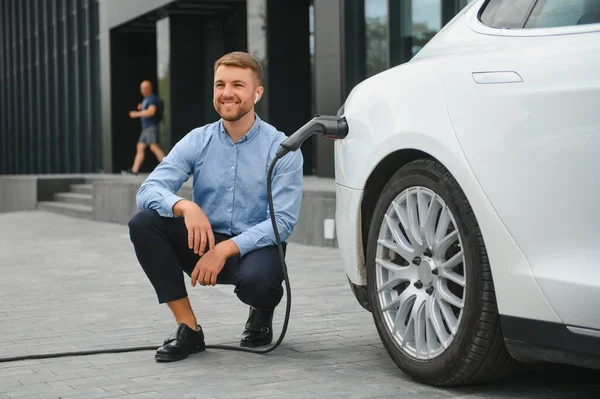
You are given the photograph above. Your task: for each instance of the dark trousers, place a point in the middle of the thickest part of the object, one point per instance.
(161, 247)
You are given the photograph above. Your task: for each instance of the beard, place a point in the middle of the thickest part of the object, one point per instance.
(242, 110)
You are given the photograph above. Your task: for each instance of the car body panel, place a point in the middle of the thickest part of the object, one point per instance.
(348, 229)
(395, 110)
(532, 147)
(513, 115)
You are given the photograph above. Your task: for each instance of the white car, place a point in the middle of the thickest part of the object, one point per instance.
(468, 193)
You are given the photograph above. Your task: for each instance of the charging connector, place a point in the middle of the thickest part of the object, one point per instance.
(332, 127)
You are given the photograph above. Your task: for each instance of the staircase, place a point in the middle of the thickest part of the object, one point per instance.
(77, 202)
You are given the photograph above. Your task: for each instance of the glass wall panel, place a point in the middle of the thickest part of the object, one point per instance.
(354, 63)
(163, 40)
(257, 46)
(311, 41)
(462, 4)
(426, 22)
(380, 34)
(377, 38)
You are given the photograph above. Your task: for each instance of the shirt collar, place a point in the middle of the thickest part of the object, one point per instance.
(251, 133)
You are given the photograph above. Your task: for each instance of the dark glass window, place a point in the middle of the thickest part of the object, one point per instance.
(507, 13)
(257, 46)
(413, 23)
(163, 57)
(554, 13)
(379, 34)
(426, 21)
(377, 39)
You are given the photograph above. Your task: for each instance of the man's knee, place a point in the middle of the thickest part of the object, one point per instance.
(141, 221)
(260, 290)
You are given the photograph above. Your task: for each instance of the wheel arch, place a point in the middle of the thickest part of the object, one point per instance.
(376, 181)
(482, 333)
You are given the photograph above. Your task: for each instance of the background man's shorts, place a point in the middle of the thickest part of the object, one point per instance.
(149, 135)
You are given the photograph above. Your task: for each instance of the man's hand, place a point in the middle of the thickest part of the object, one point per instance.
(198, 226)
(143, 114)
(139, 107)
(208, 268)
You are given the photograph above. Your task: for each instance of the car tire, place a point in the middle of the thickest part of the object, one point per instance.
(476, 353)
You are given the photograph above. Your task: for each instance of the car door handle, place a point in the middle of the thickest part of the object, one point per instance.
(496, 77)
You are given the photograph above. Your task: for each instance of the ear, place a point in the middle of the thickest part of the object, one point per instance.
(259, 92)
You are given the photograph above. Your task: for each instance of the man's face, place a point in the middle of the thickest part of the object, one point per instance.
(234, 92)
(145, 89)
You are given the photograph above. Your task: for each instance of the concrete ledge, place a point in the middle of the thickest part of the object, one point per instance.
(114, 199)
(23, 192)
(318, 204)
(48, 186)
(18, 193)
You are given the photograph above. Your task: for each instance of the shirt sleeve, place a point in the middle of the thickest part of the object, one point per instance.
(159, 190)
(151, 101)
(286, 188)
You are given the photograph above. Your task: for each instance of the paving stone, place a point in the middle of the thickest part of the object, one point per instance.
(39, 389)
(94, 393)
(7, 382)
(142, 395)
(70, 284)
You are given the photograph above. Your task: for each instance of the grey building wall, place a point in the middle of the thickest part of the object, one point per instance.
(328, 73)
(118, 12)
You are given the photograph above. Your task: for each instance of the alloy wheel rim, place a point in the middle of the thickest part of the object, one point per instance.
(420, 273)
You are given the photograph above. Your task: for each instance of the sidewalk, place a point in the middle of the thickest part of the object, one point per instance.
(71, 284)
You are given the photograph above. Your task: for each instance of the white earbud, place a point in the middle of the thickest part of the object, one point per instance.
(256, 98)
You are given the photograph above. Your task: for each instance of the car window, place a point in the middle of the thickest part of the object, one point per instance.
(507, 13)
(554, 13)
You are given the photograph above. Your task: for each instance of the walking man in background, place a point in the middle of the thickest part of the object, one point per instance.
(150, 112)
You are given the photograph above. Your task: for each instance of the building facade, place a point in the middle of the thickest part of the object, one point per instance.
(70, 69)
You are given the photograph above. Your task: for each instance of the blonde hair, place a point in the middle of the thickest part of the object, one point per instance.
(242, 60)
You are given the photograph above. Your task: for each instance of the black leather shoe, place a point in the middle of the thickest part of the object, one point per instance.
(180, 344)
(259, 328)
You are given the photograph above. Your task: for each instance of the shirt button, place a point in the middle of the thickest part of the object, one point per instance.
(230, 188)
(229, 210)
(232, 168)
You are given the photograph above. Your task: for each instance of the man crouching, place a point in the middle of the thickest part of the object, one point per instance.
(225, 235)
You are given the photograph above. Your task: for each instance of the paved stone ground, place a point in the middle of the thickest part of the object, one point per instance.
(71, 284)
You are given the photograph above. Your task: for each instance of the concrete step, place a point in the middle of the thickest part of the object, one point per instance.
(64, 208)
(82, 188)
(75, 198)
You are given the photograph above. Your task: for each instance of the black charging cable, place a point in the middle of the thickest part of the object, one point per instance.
(268, 349)
(288, 304)
(327, 126)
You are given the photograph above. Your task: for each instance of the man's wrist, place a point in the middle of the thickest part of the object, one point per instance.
(182, 206)
(227, 249)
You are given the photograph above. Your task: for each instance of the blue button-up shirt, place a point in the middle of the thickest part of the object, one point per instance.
(230, 183)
